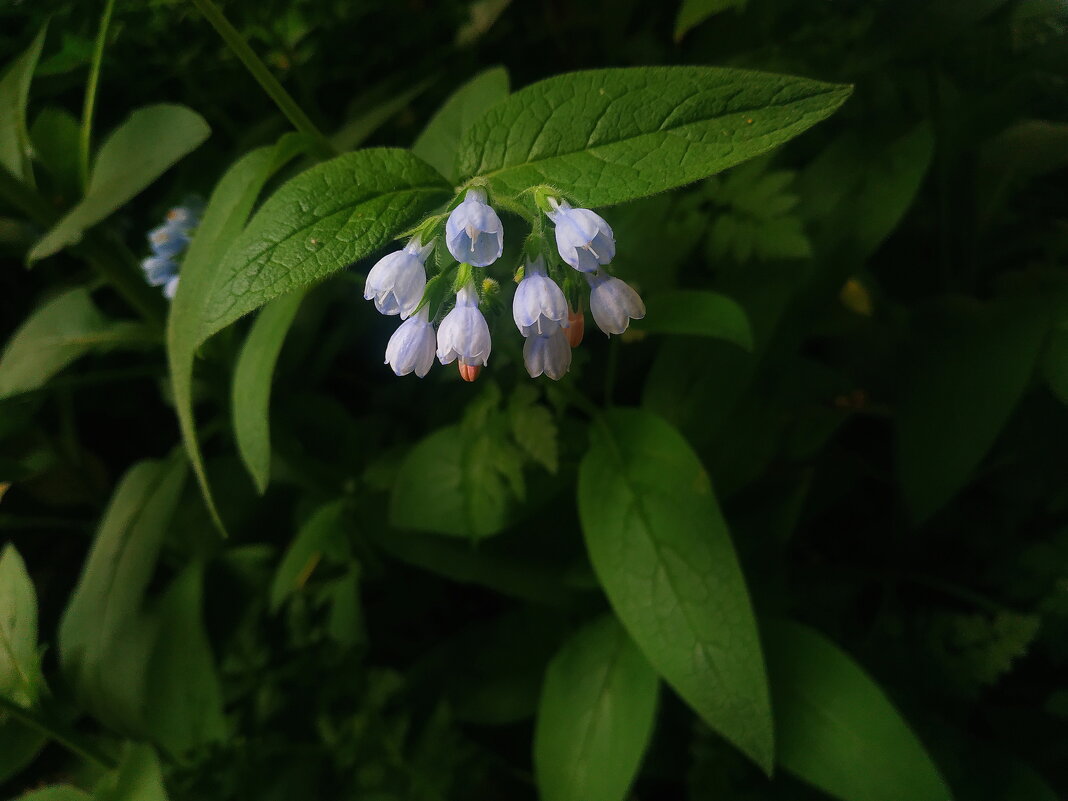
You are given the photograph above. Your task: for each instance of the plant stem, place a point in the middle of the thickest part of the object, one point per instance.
(85, 140)
(236, 42)
(69, 740)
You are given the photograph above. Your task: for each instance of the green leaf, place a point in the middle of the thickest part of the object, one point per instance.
(608, 136)
(696, 313)
(693, 12)
(1023, 151)
(533, 427)
(439, 142)
(54, 134)
(450, 483)
(251, 389)
(14, 97)
(966, 378)
(184, 705)
(59, 332)
(595, 717)
(223, 219)
(57, 792)
(663, 555)
(138, 152)
(20, 671)
(837, 730)
(138, 778)
(105, 642)
(19, 744)
(323, 534)
(318, 223)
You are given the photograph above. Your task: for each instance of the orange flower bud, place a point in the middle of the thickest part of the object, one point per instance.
(469, 372)
(576, 327)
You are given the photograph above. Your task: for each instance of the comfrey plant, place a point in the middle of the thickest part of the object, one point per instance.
(168, 242)
(548, 301)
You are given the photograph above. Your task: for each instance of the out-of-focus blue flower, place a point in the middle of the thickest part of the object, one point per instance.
(168, 242)
(583, 238)
(464, 334)
(549, 355)
(397, 281)
(613, 303)
(474, 233)
(539, 306)
(411, 348)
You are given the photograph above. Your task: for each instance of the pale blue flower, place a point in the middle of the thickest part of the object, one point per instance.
(168, 241)
(411, 348)
(583, 238)
(170, 288)
(474, 233)
(464, 334)
(158, 270)
(549, 355)
(539, 306)
(397, 281)
(613, 303)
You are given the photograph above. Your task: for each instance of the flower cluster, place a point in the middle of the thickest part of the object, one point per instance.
(168, 242)
(549, 322)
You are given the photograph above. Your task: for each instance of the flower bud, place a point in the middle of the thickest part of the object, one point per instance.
(576, 327)
(469, 372)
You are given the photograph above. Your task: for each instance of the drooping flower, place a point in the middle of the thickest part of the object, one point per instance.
(464, 333)
(397, 281)
(613, 303)
(583, 238)
(469, 372)
(411, 348)
(539, 306)
(168, 242)
(550, 355)
(474, 233)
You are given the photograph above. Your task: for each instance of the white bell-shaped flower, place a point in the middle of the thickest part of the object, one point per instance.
(613, 303)
(549, 355)
(397, 281)
(583, 238)
(464, 333)
(411, 348)
(474, 233)
(539, 306)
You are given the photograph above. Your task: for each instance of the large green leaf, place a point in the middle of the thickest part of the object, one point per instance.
(14, 97)
(138, 152)
(62, 330)
(251, 389)
(183, 707)
(138, 778)
(968, 373)
(835, 727)
(595, 718)
(20, 675)
(608, 136)
(225, 216)
(439, 142)
(318, 223)
(105, 643)
(662, 552)
(696, 313)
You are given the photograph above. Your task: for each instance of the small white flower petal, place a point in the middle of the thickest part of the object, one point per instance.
(464, 333)
(474, 233)
(549, 355)
(539, 305)
(583, 237)
(396, 283)
(411, 348)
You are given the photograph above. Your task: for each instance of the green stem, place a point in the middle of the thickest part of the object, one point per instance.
(68, 739)
(85, 140)
(114, 263)
(236, 42)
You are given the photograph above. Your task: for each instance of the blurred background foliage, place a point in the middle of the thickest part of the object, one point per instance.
(889, 455)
